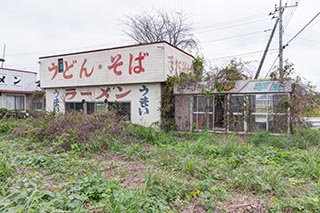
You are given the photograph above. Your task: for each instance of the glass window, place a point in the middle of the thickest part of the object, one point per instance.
(74, 106)
(237, 103)
(90, 108)
(123, 108)
(15, 103)
(100, 107)
(60, 65)
(202, 112)
(37, 106)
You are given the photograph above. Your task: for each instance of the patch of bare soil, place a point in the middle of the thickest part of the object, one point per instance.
(193, 207)
(129, 173)
(245, 204)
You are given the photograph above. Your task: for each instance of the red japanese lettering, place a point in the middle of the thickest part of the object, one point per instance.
(116, 62)
(139, 68)
(86, 93)
(84, 69)
(171, 64)
(104, 93)
(122, 95)
(54, 68)
(70, 92)
(177, 68)
(68, 67)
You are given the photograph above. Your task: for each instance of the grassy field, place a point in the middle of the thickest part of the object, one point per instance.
(143, 170)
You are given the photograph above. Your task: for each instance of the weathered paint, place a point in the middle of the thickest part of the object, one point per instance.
(183, 112)
(143, 111)
(131, 74)
(134, 64)
(266, 86)
(18, 81)
(241, 87)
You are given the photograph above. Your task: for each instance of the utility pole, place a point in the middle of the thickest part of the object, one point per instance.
(4, 53)
(266, 50)
(280, 11)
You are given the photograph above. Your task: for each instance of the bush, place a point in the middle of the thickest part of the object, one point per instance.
(73, 130)
(3, 112)
(7, 126)
(149, 134)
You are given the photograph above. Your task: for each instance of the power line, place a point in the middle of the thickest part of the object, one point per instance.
(295, 36)
(274, 62)
(291, 13)
(230, 26)
(233, 37)
(243, 54)
(241, 19)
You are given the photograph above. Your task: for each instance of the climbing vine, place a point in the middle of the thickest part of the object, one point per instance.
(167, 92)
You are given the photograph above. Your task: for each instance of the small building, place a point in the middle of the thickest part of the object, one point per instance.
(16, 89)
(128, 77)
(245, 106)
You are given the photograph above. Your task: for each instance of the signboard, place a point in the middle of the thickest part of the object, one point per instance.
(266, 86)
(125, 65)
(17, 80)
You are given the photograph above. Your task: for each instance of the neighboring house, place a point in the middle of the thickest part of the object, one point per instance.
(16, 89)
(239, 106)
(129, 77)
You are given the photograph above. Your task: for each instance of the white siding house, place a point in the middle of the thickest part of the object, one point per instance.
(131, 75)
(16, 88)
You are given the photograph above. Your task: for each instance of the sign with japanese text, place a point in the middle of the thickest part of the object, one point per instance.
(17, 80)
(126, 65)
(144, 99)
(266, 86)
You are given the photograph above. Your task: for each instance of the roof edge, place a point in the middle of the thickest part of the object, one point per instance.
(18, 70)
(114, 48)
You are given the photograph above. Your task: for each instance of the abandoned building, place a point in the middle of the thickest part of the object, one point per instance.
(16, 89)
(128, 77)
(244, 106)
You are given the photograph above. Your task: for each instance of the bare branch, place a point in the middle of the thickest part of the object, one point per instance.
(157, 26)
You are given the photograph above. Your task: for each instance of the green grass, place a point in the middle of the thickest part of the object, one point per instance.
(153, 171)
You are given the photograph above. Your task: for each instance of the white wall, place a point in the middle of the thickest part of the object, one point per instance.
(148, 63)
(98, 65)
(2, 101)
(176, 61)
(122, 93)
(17, 80)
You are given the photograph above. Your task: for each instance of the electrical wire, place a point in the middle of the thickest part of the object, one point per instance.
(274, 62)
(296, 35)
(230, 26)
(243, 54)
(241, 19)
(292, 13)
(233, 37)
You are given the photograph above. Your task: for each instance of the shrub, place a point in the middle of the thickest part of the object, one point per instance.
(73, 130)
(7, 126)
(3, 112)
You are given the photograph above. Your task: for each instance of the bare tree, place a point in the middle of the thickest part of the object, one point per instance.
(156, 26)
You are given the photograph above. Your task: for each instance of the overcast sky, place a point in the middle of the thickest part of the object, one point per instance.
(225, 29)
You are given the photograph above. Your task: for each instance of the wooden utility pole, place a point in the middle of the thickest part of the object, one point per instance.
(266, 50)
(280, 11)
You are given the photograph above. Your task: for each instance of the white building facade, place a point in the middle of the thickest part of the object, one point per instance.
(16, 88)
(129, 76)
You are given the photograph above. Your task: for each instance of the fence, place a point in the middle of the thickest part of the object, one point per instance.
(313, 121)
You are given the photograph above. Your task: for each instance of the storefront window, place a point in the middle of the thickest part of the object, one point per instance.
(202, 112)
(16, 103)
